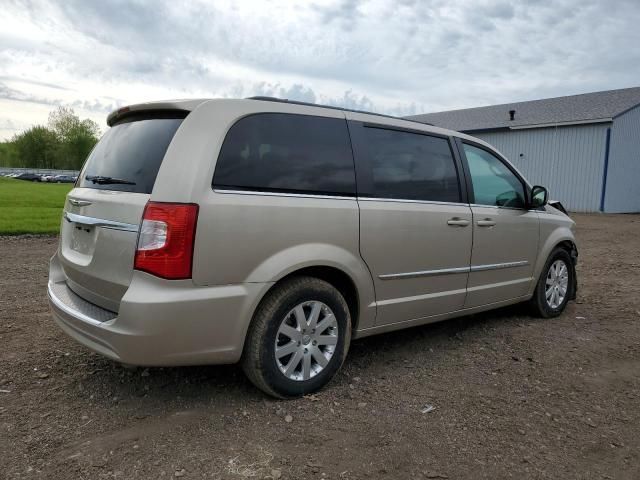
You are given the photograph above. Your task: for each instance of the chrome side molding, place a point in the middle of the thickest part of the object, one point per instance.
(99, 222)
(452, 271)
(498, 266)
(424, 273)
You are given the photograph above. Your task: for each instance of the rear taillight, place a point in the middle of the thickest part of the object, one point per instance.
(165, 244)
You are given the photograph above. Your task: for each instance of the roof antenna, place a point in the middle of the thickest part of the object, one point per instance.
(512, 115)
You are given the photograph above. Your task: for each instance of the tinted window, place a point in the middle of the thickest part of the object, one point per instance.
(407, 165)
(284, 152)
(131, 151)
(493, 183)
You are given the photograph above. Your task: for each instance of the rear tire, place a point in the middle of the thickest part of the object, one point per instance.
(298, 339)
(555, 286)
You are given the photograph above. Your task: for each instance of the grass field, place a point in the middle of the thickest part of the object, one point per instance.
(31, 207)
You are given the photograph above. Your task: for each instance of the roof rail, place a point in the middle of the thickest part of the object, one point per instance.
(309, 104)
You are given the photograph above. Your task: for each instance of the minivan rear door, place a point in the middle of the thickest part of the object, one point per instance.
(415, 228)
(102, 214)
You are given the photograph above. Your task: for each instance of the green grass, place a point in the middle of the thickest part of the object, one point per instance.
(31, 207)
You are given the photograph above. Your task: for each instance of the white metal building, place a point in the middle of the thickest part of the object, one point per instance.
(584, 148)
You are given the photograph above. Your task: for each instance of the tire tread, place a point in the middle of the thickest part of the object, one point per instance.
(538, 303)
(251, 359)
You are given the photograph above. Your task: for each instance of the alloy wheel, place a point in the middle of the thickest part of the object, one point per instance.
(557, 284)
(306, 340)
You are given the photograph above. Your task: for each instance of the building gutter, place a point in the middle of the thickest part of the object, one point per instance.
(562, 124)
(507, 128)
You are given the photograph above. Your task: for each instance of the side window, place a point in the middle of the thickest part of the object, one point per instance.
(286, 152)
(493, 183)
(406, 165)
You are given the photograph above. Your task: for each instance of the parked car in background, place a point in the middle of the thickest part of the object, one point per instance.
(31, 177)
(47, 178)
(272, 233)
(63, 179)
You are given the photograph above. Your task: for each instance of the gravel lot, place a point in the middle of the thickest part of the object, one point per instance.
(514, 396)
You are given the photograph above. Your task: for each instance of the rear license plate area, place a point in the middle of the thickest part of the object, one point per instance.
(82, 238)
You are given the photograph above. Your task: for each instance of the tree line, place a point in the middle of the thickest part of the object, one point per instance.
(63, 143)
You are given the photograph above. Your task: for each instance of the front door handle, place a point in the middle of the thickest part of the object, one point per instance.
(457, 222)
(487, 222)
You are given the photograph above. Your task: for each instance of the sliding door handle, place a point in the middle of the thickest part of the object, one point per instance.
(487, 222)
(457, 222)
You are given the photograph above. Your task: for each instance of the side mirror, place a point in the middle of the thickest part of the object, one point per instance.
(539, 196)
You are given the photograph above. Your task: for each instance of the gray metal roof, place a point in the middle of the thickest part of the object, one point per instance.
(584, 108)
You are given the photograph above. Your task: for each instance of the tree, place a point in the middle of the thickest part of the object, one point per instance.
(75, 137)
(65, 124)
(36, 148)
(64, 143)
(8, 154)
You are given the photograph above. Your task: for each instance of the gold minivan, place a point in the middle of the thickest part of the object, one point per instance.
(272, 232)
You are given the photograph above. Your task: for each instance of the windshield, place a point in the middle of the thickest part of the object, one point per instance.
(127, 158)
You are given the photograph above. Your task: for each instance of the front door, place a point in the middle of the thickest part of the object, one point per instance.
(415, 229)
(505, 232)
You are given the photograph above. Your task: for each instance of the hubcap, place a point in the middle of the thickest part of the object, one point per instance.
(557, 284)
(306, 340)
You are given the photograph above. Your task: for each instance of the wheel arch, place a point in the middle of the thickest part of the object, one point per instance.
(559, 238)
(335, 276)
(338, 278)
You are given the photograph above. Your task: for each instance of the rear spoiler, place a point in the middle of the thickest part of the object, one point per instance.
(124, 115)
(179, 108)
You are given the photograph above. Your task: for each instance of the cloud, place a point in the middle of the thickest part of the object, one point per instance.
(9, 93)
(297, 92)
(395, 57)
(345, 13)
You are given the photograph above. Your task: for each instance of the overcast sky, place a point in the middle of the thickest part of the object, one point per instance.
(397, 57)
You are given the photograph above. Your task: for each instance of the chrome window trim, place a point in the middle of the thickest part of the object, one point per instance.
(364, 199)
(282, 194)
(403, 200)
(498, 206)
(99, 222)
(450, 271)
(507, 208)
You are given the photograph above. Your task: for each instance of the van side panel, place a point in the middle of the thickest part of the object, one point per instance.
(258, 236)
(262, 238)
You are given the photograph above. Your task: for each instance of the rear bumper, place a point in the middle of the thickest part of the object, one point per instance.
(160, 322)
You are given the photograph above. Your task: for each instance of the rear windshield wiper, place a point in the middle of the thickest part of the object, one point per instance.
(99, 179)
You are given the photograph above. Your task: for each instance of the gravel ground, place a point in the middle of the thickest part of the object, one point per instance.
(513, 396)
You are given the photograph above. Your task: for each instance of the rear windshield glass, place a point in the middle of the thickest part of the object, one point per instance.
(127, 158)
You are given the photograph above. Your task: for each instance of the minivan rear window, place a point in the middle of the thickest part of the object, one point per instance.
(278, 152)
(127, 158)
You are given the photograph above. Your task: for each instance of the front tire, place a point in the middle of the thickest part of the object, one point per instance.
(555, 286)
(298, 339)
